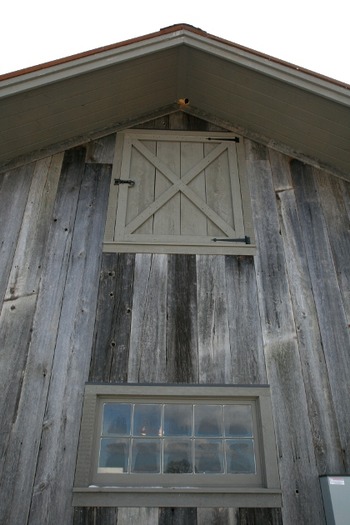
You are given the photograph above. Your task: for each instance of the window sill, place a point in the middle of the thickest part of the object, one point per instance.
(176, 496)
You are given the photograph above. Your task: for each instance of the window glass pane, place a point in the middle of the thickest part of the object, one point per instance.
(146, 455)
(147, 420)
(208, 420)
(114, 455)
(178, 420)
(240, 456)
(238, 421)
(177, 456)
(209, 456)
(116, 419)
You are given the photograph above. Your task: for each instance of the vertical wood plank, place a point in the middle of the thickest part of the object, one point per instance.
(246, 342)
(147, 358)
(101, 151)
(25, 434)
(214, 356)
(56, 460)
(167, 218)
(326, 439)
(133, 516)
(141, 195)
(260, 517)
(95, 516)
(110, 354)
(218, 516)
(13, 198)
(302, 500)
(330, 310)
(177, 516)
(193, 221)
(182, 337)
(28, 258)
(333, 201)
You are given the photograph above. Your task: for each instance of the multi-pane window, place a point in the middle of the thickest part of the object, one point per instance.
(176, 438)
(178, 445)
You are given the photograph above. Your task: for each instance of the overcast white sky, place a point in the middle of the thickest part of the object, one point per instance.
(309, 33)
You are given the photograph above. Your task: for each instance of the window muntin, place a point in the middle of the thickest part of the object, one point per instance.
(229, 460)
(145, 438)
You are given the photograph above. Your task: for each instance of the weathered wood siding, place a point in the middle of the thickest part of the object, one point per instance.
(69, 314)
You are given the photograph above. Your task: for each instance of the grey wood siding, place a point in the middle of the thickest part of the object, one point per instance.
(69, 314)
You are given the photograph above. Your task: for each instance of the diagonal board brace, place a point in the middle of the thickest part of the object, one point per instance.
(179, 185)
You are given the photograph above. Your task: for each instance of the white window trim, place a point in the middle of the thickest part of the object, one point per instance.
(265, 493)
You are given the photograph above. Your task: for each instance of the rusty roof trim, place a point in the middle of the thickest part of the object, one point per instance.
(163, 32)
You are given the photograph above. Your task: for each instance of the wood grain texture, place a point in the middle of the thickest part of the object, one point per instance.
(217, 516)
(147, 358)
(56, 461)
(15, 187)
(325, 433)
(95, 516)
(178, 516)
(214, 357)
(260, 516)
(110, 353)
(25, 434)
(333, 199)
(328, 300)
(28, 259)
(131, 516)
(182, 337)
(101, 150)
(300, 487)
(245, 336)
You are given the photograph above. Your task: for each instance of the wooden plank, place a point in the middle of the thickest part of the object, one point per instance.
(101, 150)
(280, 170)
(261, 517)
(28, 259)
(302, 500)
(17, 314)
(13, 198)
(133, 516)
(95, 516)
(59, 440)
(25, 433)
(182, 337)
(215, 364)
(193, 220)
(147, 358)
(178, 516)
(110, 354)
(246, 342)
(167, 218)
(141, 195)
(333, 201)
(330, 310)
(218, 195)
(217, 516)
(326, 439)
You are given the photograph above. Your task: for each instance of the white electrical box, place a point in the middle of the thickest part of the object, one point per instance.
(336, 499)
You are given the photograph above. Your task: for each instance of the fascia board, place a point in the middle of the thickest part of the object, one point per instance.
(285, 73)
(88, 64)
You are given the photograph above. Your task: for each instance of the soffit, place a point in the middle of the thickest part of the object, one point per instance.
(87, 96)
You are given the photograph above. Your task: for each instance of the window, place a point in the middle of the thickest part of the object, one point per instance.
(179, 192)
(176, 446)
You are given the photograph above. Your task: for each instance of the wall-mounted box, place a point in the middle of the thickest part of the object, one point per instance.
(336, 499)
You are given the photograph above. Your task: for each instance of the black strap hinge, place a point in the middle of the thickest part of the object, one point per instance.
(231, 139)
(243, 239)
(123, 181)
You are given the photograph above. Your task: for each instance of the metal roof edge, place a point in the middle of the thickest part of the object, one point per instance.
(73, 65)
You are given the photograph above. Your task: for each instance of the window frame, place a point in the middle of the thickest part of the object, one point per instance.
(225, 490)
(118, 197)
